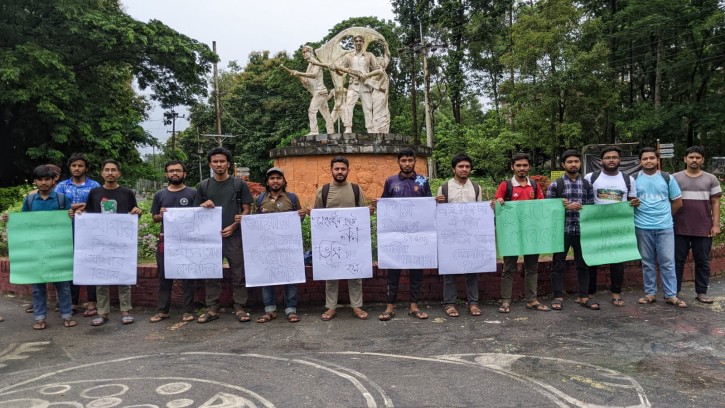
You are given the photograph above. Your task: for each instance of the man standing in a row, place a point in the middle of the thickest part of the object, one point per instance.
(698, 221)
(233, 195)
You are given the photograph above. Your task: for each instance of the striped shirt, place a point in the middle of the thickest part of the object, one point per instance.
(695, 216)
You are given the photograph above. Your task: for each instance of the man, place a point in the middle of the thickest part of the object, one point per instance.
(460, 189)
(520, 188)
(611, 186)
(112, 198)
(341, 194)
(233, 195)
(574, 192)
(660, 198)
(312, 81)
(76, 188)
(360, 65)
(407, 183)
(698, 221)
(175, 195)
(45, 199)
(276, 198)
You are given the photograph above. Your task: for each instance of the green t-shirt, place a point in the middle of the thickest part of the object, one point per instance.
(223, 194)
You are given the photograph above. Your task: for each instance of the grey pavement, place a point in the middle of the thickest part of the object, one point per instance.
(637, 355)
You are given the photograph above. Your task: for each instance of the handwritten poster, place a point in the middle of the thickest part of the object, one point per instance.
(193, 243)
(341, 243)
(530, 227)
(407, 233)
(40, 245)
(105, 249)
(466, 238)
(273, 250)
(607, 234)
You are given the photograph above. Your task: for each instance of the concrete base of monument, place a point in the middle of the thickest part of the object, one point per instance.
(373, 157)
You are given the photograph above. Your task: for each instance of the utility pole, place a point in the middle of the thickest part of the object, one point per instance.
(217, 101)
(171, 116)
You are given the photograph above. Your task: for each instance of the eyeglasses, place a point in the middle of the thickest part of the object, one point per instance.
(610, 158)
(174, 171)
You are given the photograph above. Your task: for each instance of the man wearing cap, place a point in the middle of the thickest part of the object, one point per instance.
(276, 198)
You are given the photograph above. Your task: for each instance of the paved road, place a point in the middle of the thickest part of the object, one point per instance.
(638, 355)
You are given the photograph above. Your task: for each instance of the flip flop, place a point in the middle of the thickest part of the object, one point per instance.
(293, 318)
(451, 311)
(158, 317)
(538, 307)
(242, 315)
(329, 315)
(126, 319)
(705, 299)
(99, 321)
(474, 310)
(187, 317)
(39, 325)
(386, 316)
(505, 308)
(360, 314)
(590, 304)
(556, 304)
(90, 313)
(207, 317)
(647, 300)
(676, 302)
(418, 314)
(267, 317)
(618, 302)
(69, 323)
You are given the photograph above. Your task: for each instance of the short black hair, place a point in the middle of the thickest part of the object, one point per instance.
(173, 162)
(695, 149)
(43, 171)
(111, 161)
(649, 150)
(610, 149)
(406, 152)
(340, 159)
(520, 156)
(570, 153)
(219, 150)
(77, 156)
(459, 158)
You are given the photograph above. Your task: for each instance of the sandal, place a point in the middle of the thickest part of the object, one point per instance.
(557, 304)
(267, 317)
(676, 302)
(451, 311)
(704, 299)
(69, 323)
(418, 314)
(158, 317)
(207, 317)
(187, 317)
(90, 312)
(99, 321)
(538, 307)
(328, 315)
(386, 316)
(647, 300)
(126, 319)
(30, 310)
(618, 302)
(474, 310)
(359, 313)
(242, 315)
(39, 325)
(590, 304)
(293, 318)
(505, 308)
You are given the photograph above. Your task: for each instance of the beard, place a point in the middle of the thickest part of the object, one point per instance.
(176, 182)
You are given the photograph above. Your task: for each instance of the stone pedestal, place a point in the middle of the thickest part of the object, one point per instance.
(373, 157)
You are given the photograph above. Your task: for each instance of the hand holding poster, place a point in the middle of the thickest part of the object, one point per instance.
(105, 249)
(273, 251)
(341, 243)
(466, 238)
(608, 234)
(193, 243)
(407, 233)
(530, 227)
(40, 245)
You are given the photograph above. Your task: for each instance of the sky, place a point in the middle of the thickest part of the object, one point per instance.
(240, 27)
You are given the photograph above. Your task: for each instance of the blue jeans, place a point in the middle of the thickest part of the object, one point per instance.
(290, 299)
(40, 300)
(658, 247)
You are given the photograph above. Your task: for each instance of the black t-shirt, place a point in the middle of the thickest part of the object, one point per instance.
(172, 199)
(120, 200)
(225, 195)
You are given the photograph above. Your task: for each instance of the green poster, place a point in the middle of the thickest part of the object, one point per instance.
(530, 227)
(40, 244)
(608, 234)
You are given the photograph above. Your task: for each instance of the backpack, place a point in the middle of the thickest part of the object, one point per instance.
(510, 189)
(476, 190)
(560, 186)
(292, 197)
(665, 175)
(598, 173)
(326, 192)
(238, 183)
(30, 199)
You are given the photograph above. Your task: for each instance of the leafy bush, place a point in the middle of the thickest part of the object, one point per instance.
(9, 195)
(148, 233)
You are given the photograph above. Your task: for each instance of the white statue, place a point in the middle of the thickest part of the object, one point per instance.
(381, 87)
(312, 81)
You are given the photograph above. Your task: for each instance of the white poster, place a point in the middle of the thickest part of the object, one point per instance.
(341, 243)
(193, 243)
(466, 238)
(407, 233)
(105, 249)
(273, 250)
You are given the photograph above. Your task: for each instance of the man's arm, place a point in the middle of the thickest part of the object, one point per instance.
(715, 202)
(676, 204)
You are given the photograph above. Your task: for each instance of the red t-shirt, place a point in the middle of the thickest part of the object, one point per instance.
(520, 193)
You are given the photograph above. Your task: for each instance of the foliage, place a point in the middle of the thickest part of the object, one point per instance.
(11, 195)
(148, 233)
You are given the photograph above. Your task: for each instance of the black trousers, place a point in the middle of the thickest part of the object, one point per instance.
(559, 266)
(416, 283)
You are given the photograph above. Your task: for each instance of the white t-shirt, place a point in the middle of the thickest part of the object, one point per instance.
(611, 189)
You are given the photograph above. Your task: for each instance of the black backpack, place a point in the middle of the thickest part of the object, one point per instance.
(476, 190)
(238, 183)
(510, 189)
(31, 198)
(292, 197)
(326, 192)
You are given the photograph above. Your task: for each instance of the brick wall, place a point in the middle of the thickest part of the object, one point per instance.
(374, 289)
